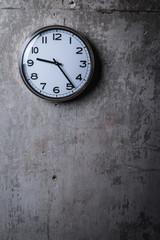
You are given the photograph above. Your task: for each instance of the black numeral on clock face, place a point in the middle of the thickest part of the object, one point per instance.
(35, 50)
(43, 85)
(57, 36)
(44, 39)
(79, 50)
(69, 86)
(34, 76)
(56, 90)
(79, 77)
(30, 63)
(84, 64)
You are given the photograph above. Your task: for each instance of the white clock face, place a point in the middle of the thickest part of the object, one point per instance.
(56, 63)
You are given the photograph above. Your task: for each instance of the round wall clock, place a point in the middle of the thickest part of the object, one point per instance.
(56, 63)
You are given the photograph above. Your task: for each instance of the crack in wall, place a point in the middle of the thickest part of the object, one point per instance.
(110, 11)
(100, 10)
(11, 8)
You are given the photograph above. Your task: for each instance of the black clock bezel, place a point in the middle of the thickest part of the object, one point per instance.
(56, 27)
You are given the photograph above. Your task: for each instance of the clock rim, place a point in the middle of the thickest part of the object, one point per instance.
(29, 39)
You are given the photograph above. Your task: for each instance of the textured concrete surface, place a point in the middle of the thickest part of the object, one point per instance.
(88, 169)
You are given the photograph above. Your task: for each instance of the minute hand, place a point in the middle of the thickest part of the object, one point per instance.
(63, 72)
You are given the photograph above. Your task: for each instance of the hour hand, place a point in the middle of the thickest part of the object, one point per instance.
(47, 61)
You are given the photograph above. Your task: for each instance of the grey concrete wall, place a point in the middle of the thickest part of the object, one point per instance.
(88, 169)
